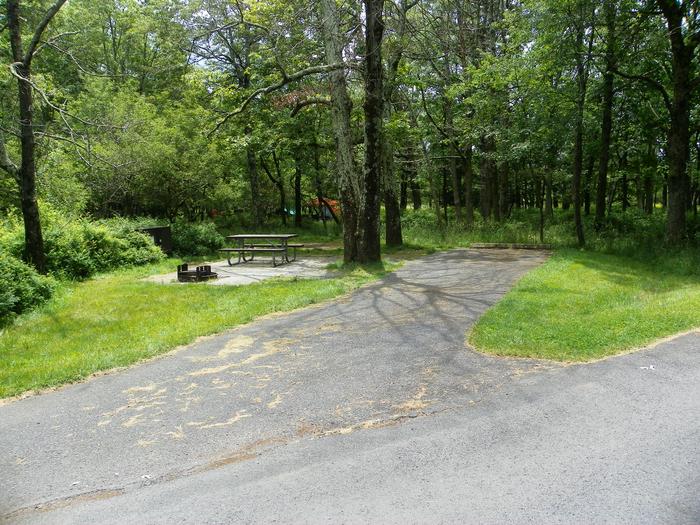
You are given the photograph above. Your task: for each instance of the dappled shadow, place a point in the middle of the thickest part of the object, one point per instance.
(390, 349)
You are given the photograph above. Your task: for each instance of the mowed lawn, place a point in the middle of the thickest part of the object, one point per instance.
(118, 319)
(580, 306)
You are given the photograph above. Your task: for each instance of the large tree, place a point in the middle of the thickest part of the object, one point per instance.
(683, 26)
(23, 54)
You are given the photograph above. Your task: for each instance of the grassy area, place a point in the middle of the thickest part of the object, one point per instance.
(625, 292)
(581, 306)
(117, 319)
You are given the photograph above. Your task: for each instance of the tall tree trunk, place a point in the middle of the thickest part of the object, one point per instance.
(444, 194)
(374, 115)
(587, 183)
(468, 178)
(415, 194)
(416, 197)
(649, 188)
(392, 208)
(540, 192)
(678, 138)
(254, 182)
(278, 181)
(504, 191)
(283, 193)
(434, 185)
(349, 183)
(696, 183)
(549, 198)
(610, 9)
(487, 168)
(317, 184)
(33, 238)
(452, 164)
(581, 84)
(297, 191)
(403, 190)
(622, 167)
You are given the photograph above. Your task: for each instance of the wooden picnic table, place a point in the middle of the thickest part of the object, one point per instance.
(248, 244)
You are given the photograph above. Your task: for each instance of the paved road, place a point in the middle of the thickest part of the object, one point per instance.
(366, 410)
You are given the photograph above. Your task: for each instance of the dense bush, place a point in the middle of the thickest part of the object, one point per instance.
(77, 248)
(21, 288)
(198, 238)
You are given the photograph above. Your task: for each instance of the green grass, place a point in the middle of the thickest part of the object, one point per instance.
(117, 319)
(583, 305)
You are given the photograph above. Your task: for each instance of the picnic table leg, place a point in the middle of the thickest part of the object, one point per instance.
(285, 253)
(241, 244)
(228, 258)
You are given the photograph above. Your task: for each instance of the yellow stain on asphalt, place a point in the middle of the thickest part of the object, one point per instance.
(272, 404)
(241, 414)
(132, 421)
(146, 388)
(271, 348)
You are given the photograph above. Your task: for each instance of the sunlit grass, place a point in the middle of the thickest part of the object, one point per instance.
(118, 319)
(585, 305)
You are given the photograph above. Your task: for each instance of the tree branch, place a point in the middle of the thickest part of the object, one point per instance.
(313, 70)
(653, 83)
(40, 31)
(309, 102)
(268, 172)
(437, 126)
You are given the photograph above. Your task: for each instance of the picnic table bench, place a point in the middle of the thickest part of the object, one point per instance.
(276, 244)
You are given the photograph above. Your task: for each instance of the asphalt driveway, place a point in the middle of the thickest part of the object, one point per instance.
(369, 408)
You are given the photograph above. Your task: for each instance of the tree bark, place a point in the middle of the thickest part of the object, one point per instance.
(487, 169)
(452, 163)
(581, 84)
(297, 190)
(587, 183)
(504, 191)
(549, 198)
(278, 182)
(26, 173)
(403, 190)
(393, 204)
(624, 186)
(468, 178)
(253, 180)
(678, 138)
(374, 141)
(348, 181)
(392, 207)
(610, 10)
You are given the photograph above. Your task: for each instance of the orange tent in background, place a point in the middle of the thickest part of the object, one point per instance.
(321, 211)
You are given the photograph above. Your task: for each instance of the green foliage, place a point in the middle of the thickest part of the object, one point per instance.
(631, 233)
(197, 238)
(21, 288)
(77, 248)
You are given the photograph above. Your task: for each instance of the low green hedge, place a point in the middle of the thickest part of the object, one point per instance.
(77, 248)
(21, 288)
(196, 238)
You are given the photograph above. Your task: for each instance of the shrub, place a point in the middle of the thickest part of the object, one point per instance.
(21, 288)
(199, 238)
(77, 248)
